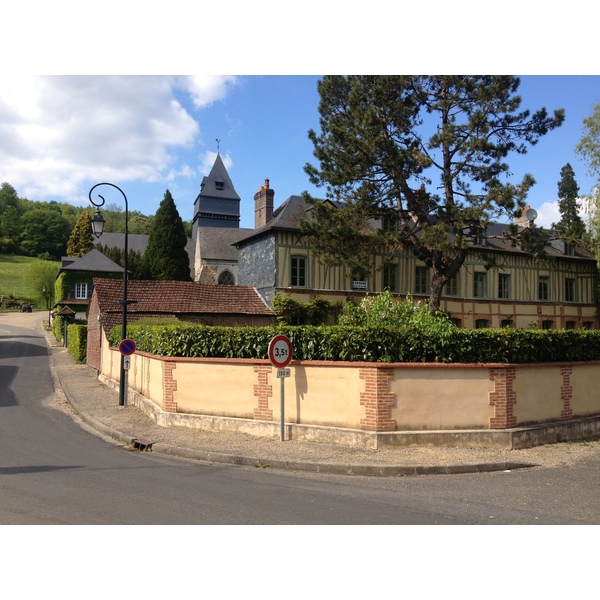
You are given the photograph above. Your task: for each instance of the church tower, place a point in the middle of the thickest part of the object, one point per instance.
(217, 204)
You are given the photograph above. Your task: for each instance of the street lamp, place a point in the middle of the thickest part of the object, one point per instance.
(97, 229)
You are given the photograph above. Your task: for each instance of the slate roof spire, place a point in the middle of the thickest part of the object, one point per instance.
(217, 204)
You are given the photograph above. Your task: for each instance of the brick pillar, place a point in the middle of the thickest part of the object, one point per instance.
(503, 398)
(263, 391)
(377, 400)
(566, 393)
(169, 386)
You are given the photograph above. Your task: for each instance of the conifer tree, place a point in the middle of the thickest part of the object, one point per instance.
(81, 242)
(166, 255)
(571, 226)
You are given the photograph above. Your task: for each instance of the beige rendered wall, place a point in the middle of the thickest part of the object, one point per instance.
(538, 393)
(441, 398)
(585, 380)
(323, 395)
(224, 389)
(415, 397)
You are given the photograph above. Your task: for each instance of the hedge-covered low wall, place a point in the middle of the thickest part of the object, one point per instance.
(369, 344)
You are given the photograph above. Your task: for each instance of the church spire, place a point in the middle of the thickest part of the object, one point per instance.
(217, 204)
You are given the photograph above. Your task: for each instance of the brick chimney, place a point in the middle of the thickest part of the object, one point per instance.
(263, 205)
(522, 220)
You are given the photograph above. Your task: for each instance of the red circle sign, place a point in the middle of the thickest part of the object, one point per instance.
(280, 351)
(127, 347)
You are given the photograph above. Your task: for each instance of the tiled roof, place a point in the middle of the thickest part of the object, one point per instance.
(289, 214)
(174, 297)
(93, 262)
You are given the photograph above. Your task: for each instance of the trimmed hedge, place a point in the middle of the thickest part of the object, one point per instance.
(369, 344)
(77, 342)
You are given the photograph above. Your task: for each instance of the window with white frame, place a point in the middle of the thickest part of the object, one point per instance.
(421, 280)
(390, 277)
(543, 288)
(503, 286)
(569, 290)
(81, 291)
(479, 285)
(298, 273)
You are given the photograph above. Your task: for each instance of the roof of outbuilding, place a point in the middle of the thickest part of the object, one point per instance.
(93, 262)
(175, 297)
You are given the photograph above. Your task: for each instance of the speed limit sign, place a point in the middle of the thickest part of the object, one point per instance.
(280, 351)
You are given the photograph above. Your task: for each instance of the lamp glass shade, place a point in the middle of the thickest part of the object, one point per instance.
(98, 224)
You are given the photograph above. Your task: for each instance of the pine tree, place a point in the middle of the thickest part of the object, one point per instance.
(166, 255)
(571, 226)
(81, 241)
(434, 187)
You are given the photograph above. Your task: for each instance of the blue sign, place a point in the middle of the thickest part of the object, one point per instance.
(127, 347)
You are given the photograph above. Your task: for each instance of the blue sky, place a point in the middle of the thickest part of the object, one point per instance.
(62, 134)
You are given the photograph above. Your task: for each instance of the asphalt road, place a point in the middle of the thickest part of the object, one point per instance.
(54, 472)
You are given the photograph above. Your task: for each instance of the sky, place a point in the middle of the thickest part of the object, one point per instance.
(140, 99)
(60, 135)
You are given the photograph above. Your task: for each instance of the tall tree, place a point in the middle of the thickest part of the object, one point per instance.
(571, 227)
(44, 233)
(81, 240)
(165, 254)
(382, 140)
(589, 146)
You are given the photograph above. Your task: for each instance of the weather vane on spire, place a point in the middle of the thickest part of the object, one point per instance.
(218, 145)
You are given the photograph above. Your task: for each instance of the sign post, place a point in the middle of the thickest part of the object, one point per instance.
(280, 355)
(126, 348)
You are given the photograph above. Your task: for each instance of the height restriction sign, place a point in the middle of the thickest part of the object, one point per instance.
(280, 351)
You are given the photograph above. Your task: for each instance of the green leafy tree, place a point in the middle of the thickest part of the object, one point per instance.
(384, 138)
(39, 277)
(589, 146)
(571, 227)
(44, 232)
(81, 239)
(9, 218)
(166, 254)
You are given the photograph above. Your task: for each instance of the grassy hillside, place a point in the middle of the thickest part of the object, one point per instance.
(12, 283)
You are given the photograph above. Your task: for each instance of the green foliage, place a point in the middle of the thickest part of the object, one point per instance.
(81, 239)
(369, 344)
(379, 147)
(15, 282)
(166, 254)
(39, 277)
(384, 309)
(571, 227)
(315, 312)
(589, 146)
(44, 230)
(137, 264)
(77, 341)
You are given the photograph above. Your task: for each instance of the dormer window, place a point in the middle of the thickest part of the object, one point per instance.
(220, 185)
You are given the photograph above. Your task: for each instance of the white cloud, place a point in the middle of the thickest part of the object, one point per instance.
(206, 89)
(59, 133)
(548, 213)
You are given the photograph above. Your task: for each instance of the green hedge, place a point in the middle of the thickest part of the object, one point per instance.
(370, 344)
(77, 341)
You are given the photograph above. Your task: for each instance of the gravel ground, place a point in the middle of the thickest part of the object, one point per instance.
(95, 406)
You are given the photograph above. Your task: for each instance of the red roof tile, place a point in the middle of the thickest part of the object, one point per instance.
(173, 297)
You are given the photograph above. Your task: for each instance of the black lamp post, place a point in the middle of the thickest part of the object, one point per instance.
(97, 229)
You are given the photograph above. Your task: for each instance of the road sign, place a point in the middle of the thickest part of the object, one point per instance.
(280, 351)
(126, 363)
(127, 347)
(283, 373)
